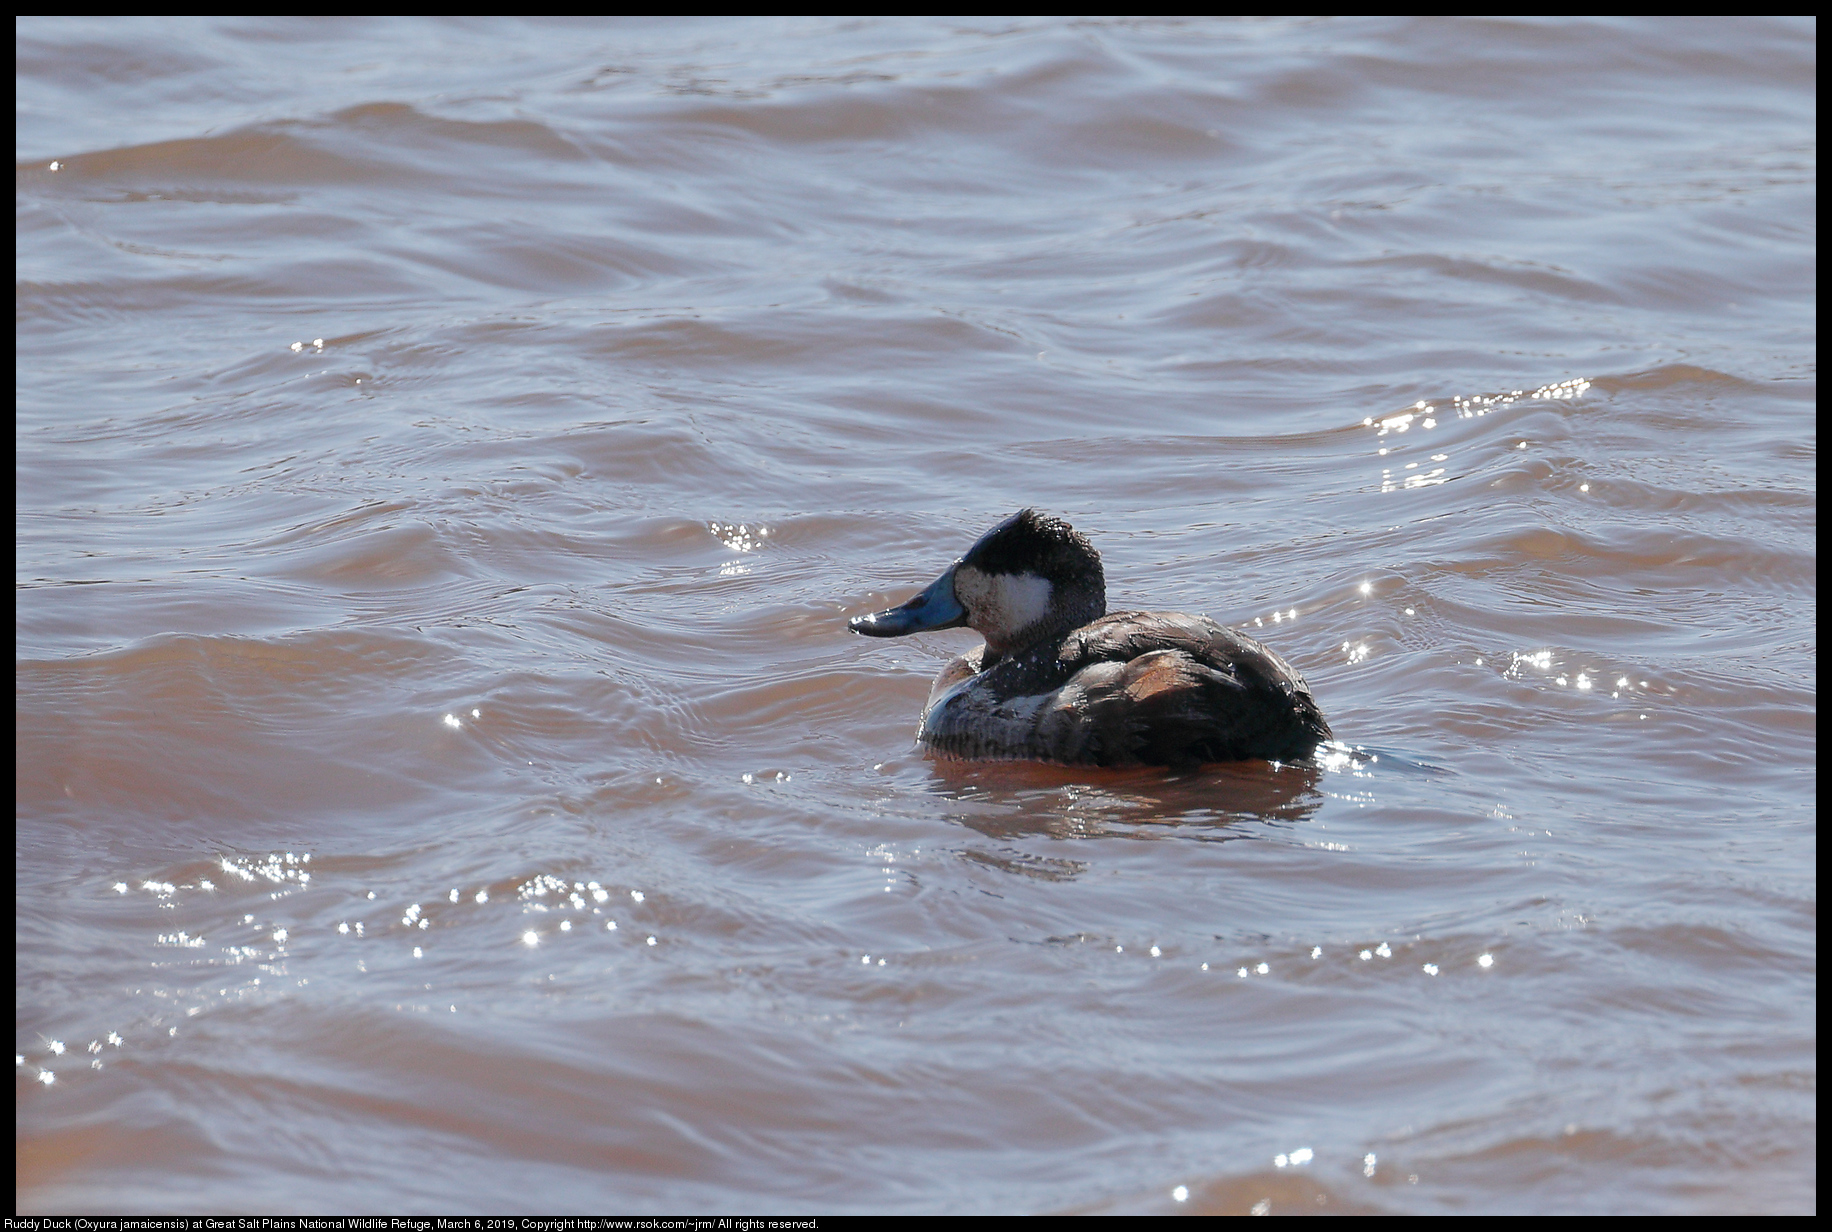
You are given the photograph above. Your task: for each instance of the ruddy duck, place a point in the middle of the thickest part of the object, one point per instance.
(1059, 680)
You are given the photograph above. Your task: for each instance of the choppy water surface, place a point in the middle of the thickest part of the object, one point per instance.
(448, 452)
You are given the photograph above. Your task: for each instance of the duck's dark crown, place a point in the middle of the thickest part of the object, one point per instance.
(1032, 542)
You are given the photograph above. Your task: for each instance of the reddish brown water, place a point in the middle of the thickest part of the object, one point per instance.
(448, 452)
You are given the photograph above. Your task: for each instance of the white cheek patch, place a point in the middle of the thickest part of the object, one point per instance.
(1001, 604)
(1025, 598)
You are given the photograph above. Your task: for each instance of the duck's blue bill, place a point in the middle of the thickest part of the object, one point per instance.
(935, 608)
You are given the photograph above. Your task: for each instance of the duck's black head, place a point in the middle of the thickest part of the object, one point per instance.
(1028, 578)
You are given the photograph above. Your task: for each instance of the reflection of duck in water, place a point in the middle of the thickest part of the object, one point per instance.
(1058, 680)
